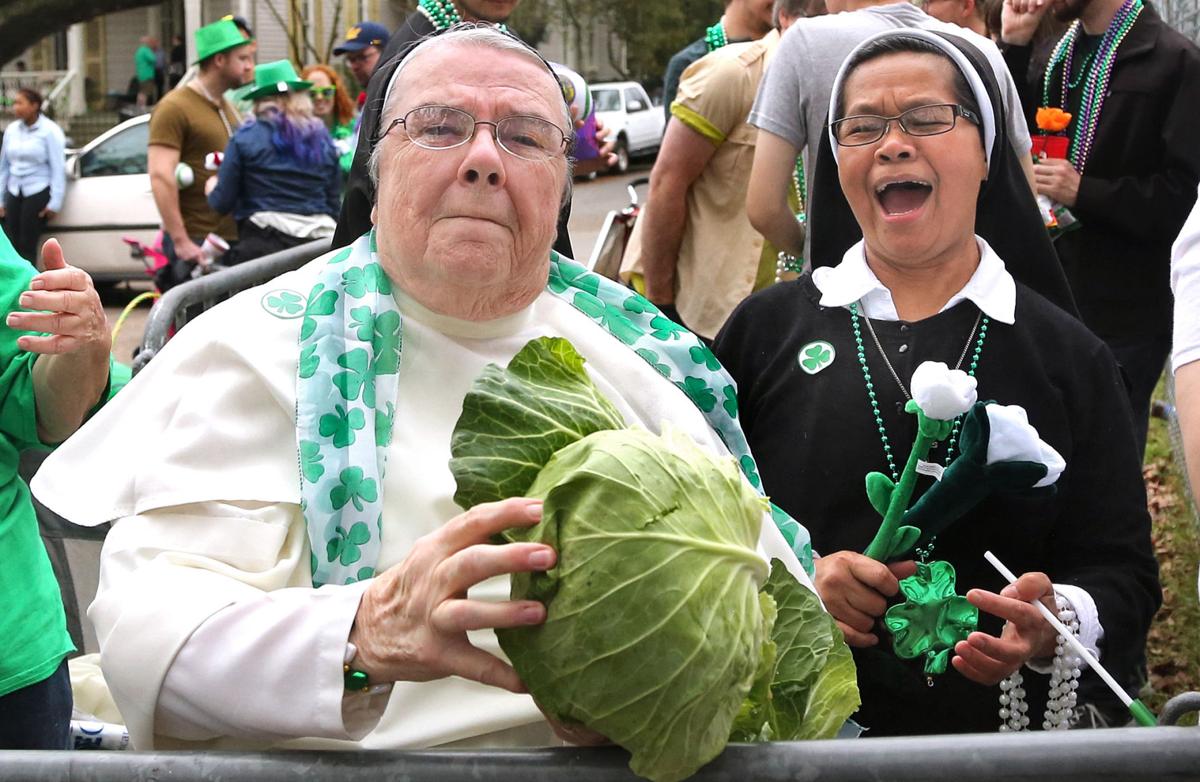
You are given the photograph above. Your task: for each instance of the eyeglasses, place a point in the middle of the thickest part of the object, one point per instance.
(931, 120)
(443, 127)
(323, 92)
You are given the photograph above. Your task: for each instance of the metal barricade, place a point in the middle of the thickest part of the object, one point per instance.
(1126, 754)
(187, 300)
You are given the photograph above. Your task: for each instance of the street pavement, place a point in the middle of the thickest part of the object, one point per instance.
(591, 203)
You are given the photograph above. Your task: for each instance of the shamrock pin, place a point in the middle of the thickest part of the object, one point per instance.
(353, 488)
(344, 547)
(283, 304)
(815, 356)
(932, 619)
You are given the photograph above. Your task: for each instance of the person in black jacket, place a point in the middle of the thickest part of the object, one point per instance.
(1131, 174)
(824, 367)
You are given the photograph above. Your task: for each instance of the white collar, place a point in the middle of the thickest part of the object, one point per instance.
(991, 288)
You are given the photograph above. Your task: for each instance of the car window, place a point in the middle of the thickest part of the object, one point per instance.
(606, 100)
(634, 100)
(123, 153)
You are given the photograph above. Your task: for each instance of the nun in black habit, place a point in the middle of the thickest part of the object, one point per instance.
(824, 363)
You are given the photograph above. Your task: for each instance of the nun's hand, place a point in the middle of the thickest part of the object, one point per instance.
(1057, 179)
(1019, 20)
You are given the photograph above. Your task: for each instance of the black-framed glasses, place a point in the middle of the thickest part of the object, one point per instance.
(931, 120)
(323, 92)
(444, 127)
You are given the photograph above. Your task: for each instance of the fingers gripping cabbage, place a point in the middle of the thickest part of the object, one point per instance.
(657, 634)
(654, 627)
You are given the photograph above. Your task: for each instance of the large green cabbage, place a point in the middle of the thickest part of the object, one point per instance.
(665, 630)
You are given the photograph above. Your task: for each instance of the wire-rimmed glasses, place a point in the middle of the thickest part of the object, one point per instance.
(445, 127)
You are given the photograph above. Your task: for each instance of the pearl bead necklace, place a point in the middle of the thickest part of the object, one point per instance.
(1064, 681)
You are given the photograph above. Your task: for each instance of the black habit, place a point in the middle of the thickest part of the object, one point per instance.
(355, 219)
(815, 439)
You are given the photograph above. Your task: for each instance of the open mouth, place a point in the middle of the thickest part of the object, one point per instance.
(899, 198)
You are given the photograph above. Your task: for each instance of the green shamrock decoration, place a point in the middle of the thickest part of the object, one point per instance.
(611, 318)
(652, 358)
(362, 320)
(353, 489)
(665, 329)
(342, 256)
(703, 356)
(815, 356)
(639, 304)
(699, 392)
(383, 425)
(932, 619)
(310, 461)
(341, 425)
(730, 404)
(357, 377)
(309, 361)
(284, 304)
(320, 302)
(571, 276)
(357, 281)
(345, 547)
(385, 342)
(751, 471)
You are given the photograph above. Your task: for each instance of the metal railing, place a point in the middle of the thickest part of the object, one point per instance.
(1126, 754)
(187, 300)
(51, 84)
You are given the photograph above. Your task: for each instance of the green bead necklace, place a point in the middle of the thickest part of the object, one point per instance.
(714, 37)
(440, 13)
(980, 327)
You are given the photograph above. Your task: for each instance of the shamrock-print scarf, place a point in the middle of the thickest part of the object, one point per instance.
(348, 375)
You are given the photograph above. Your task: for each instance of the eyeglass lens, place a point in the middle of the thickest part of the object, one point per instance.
(443, 127)
(919, 121)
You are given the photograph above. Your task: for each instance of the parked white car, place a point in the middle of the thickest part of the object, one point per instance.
(630, 118)
(108, 197)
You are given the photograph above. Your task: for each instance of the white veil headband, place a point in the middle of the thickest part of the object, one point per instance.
(982, 98)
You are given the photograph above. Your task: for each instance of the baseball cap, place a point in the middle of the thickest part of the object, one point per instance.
(362, 35)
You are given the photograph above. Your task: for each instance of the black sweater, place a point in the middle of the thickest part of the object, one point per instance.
(814, 438)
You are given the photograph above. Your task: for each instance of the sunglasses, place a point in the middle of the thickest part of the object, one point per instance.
(323, 92)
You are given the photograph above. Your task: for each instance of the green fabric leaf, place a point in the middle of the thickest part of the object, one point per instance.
(879, 491)
(515, 418)
(654, 627)
(902, 542)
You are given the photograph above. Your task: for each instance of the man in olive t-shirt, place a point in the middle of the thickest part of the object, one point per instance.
(188, 124)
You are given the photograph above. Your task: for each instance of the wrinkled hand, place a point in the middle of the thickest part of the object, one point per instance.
(72, 314)
(855, 589)
(1058, 179)
(187, 250)
(413, 619)
(1019, 20)
(987, 659)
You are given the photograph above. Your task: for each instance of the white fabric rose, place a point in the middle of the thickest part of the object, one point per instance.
(942, 393)
(1013, 439)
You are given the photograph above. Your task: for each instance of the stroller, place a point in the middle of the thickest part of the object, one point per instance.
(614, 235)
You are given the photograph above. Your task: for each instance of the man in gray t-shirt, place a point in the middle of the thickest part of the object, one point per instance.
(793, 101)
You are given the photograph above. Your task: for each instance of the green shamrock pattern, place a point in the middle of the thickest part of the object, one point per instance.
(815, 356)
(351, 342)
(283, 304)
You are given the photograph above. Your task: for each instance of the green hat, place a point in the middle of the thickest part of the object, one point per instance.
(218, 37)
(275, 78)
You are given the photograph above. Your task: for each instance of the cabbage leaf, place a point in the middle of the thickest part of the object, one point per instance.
(654, 624)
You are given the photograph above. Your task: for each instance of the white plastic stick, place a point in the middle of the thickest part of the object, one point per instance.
(1070, 637)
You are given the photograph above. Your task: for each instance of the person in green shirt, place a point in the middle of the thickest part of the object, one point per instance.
(145, 64)
(332, 103)
(55, 369)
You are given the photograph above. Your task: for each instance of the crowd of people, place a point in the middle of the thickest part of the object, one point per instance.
(847, 191)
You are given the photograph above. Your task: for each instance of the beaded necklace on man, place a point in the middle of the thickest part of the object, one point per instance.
(1098, 75)
(714, 37)
(443, 14)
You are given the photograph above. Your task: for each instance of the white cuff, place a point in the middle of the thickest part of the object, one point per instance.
(269, 668)
(1090, 630)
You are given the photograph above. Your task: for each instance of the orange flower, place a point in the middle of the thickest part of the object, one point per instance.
(1052, 120)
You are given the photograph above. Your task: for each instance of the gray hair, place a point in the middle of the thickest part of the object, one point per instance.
(796, 8)
(483, 36)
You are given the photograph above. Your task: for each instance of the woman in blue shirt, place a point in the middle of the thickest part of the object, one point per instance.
(32, 173)
(279, 176)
